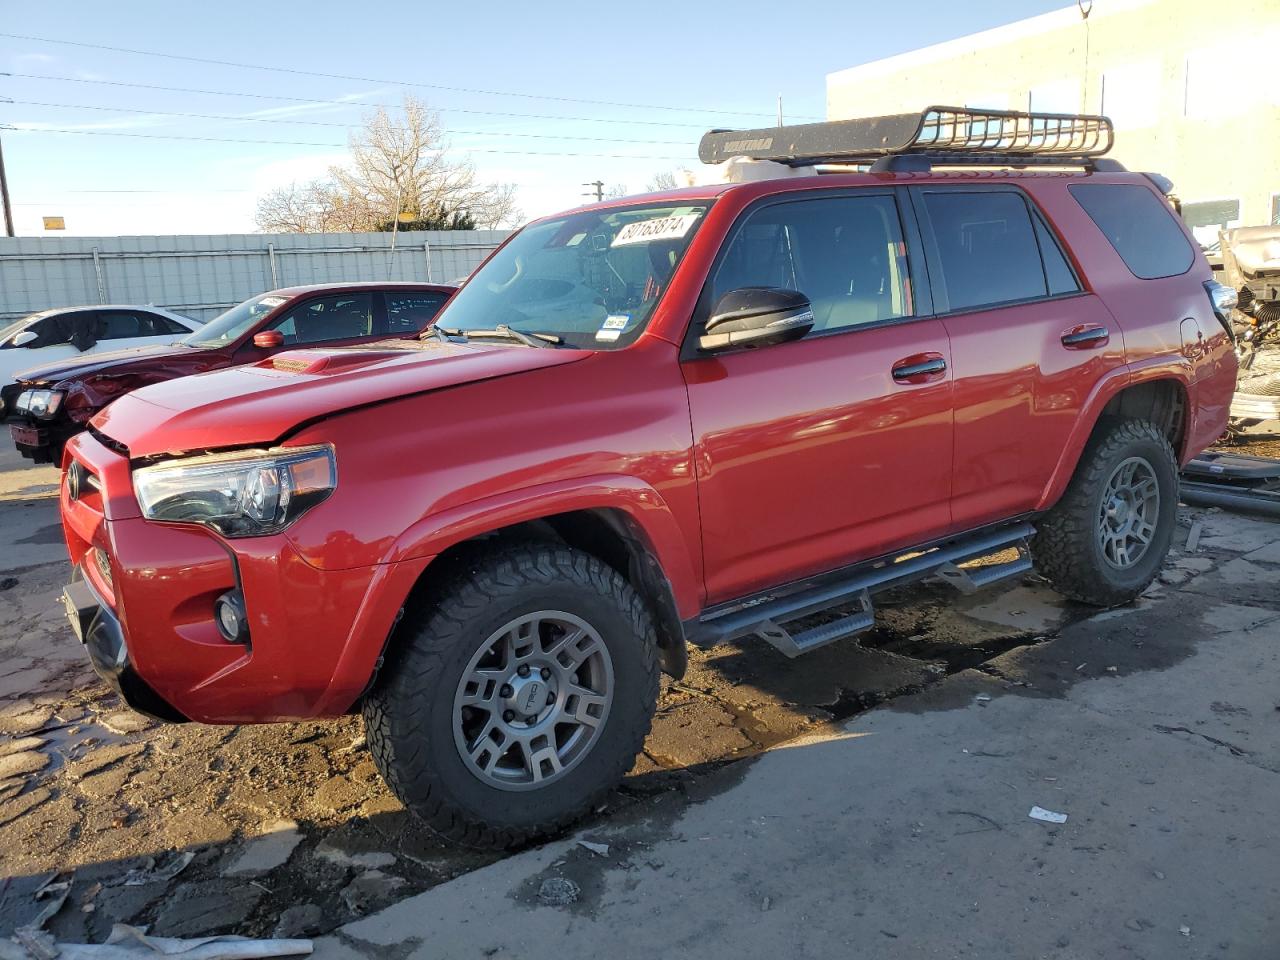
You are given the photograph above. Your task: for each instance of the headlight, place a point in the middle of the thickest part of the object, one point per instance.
(243, 494)
(41, 404)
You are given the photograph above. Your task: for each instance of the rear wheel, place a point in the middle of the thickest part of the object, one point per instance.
(518, 698)
(1105, 540)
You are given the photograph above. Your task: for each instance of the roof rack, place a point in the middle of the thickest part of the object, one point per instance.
(946, 136)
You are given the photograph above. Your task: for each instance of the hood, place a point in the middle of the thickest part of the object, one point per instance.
(262, 402)
(93, 363)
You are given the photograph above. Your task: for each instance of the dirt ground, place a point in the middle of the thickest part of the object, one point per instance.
(287, 828)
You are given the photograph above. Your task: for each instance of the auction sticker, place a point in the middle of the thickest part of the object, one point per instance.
(659, 228)
(613, 326)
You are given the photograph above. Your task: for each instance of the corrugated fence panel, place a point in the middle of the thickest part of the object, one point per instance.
(202, 275)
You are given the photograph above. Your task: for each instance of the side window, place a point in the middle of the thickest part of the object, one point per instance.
(338, 317)
(54, 330)
(122, 325)
(1057, 272)
(1139, 225)
(987, 247)
(155, 325)
(410, 312)
(846, 254)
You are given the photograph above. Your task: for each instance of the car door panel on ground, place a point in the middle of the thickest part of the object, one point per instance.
(844, 460)
(1028, 342)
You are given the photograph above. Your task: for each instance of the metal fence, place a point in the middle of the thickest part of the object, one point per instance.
(200, 276)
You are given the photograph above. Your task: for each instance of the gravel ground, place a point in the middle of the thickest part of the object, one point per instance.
(287, 827)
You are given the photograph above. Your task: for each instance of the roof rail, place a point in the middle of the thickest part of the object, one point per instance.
(947, 136)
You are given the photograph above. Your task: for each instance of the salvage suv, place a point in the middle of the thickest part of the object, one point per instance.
(689, 417)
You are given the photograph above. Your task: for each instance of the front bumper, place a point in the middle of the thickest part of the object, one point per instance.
(97, 627)
(37, 440)
(314, 636)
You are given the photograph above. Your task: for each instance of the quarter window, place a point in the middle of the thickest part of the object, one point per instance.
(987, 248)
(845, 254)
(1139, 225)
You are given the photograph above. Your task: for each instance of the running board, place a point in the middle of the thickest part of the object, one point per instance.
(768, 616)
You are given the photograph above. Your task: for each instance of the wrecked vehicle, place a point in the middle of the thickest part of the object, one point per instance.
(69, 333)
(48, 404)
(686, 417)
(1251, 267)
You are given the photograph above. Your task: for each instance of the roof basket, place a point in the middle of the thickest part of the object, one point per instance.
(948, 136)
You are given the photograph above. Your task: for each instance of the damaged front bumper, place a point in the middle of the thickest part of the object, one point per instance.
(97, 627)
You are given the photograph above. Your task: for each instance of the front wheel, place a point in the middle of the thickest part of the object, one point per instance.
(518, 698)
(1104, 541)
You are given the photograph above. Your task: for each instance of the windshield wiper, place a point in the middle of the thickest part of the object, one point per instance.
(443, 335)
(506, 333)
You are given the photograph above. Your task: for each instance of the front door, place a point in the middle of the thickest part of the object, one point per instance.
(836, 447)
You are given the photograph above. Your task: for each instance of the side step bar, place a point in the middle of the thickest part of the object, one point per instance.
(768, 616)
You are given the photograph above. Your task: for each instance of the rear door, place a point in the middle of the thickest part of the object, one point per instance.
(816, 453)
(1028, 342)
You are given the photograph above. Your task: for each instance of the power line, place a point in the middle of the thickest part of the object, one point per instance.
(335, 123)
(312, 143)
(359, 79)
(350, 103)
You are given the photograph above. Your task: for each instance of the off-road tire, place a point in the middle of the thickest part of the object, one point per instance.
(1066, 548)
(409, 713)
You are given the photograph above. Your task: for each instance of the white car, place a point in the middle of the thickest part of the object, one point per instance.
(67, 332)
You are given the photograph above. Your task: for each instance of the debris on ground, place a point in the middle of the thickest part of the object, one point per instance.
(131, 943)
(149, 872)
(1047, 816)
(599, 849)
(558, 892)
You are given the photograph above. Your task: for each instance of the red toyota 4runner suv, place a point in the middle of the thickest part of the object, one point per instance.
(686, 417)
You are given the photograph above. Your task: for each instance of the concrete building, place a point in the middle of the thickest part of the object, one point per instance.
(1193, 91)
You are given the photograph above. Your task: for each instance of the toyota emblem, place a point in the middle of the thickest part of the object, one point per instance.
(75, 477)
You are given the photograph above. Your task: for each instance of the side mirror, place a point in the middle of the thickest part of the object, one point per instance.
(756, 317)
(24, 337)
(268, 339)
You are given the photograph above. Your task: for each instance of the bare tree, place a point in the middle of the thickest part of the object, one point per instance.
(616, 191)
(396, 167)
(668, 180)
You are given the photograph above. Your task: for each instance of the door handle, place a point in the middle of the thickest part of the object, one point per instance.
(919, 369)
(1083, 338)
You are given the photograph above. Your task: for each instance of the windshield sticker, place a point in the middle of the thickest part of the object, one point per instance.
(659, 228)
(576, 239)
(272, 301)
(612, 327)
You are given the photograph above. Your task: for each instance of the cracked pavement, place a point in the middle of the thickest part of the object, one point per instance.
(893, 753)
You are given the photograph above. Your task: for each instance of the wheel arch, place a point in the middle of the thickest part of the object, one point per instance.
(619, 519)
(1160, 394)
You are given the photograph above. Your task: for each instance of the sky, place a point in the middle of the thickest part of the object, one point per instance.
(546, 95)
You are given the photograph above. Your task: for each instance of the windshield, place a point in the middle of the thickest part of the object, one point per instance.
(235, 323)
(591, 278)
(8, 331)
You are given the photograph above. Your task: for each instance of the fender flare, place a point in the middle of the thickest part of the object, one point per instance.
(639, 501)
(1103, 392)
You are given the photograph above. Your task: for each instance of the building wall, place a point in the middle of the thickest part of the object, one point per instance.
(1193, 88)
(200, 276)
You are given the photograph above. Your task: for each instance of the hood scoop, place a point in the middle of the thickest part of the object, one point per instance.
(325, 361)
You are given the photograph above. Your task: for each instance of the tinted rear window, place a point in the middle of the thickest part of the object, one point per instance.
(987, 247)
(1139, 225)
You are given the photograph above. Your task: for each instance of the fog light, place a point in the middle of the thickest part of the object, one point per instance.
(232, 622)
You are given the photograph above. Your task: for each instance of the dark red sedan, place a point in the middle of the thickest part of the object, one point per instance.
(70, 393)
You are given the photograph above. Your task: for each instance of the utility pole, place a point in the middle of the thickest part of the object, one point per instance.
(4, 198)
(597, 187)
